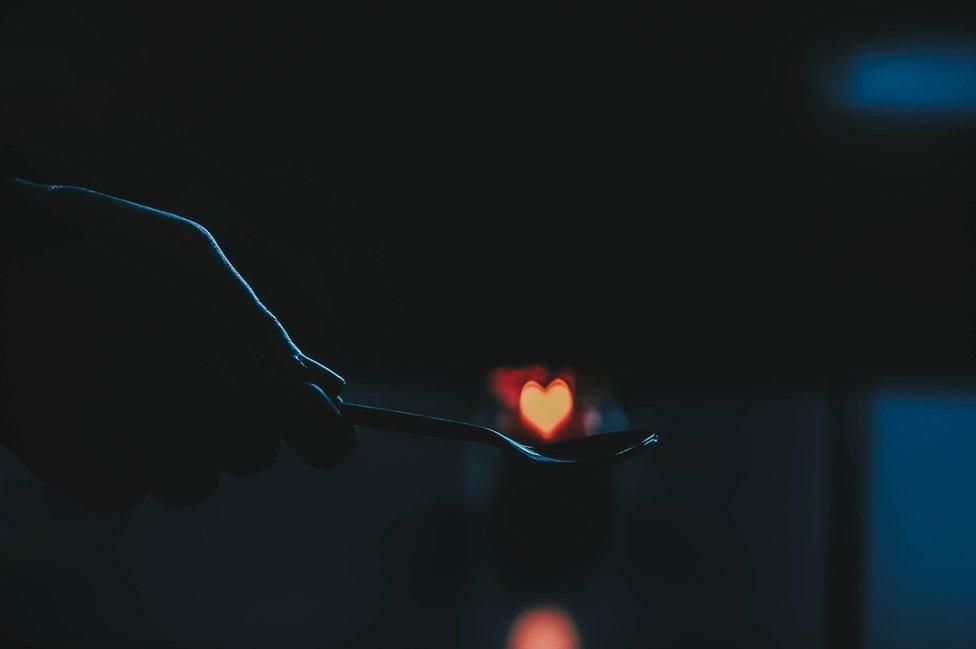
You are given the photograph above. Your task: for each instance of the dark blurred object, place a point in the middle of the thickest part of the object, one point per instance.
(550, 522)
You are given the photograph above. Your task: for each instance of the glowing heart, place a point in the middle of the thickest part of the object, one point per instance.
(546, 408)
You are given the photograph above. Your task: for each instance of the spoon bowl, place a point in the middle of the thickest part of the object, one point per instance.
(596, 448)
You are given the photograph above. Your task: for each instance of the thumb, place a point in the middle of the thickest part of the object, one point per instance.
(314, 426)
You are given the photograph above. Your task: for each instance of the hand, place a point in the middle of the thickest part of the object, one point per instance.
(136, 359)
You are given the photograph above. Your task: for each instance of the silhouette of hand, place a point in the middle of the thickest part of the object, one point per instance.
(136, 360)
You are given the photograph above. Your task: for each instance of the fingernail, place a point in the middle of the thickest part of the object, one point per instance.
(330, 381)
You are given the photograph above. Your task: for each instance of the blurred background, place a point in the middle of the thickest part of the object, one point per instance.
(754, 225)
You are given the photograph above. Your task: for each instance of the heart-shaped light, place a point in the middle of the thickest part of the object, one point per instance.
(546, 408)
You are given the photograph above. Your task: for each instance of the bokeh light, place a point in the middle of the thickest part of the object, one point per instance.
(544, 627)
(914, 78)
(547, 408)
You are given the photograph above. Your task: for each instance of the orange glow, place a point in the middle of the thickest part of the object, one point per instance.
(543, 628)
(546, 408)
(506, 382)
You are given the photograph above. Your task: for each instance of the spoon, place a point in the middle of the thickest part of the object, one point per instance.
(608, 446)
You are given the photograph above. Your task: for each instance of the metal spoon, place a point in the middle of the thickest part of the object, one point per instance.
(608, 446)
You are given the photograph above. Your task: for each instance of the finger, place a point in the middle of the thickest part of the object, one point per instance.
(106, 490)
(246, 450)
(101, 484)
(179, 454)
(186, 484)
(316, 372)
(245, 429)
(315, 429)
(88, 464)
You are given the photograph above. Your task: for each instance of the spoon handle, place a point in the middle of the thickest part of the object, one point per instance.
(408, 422)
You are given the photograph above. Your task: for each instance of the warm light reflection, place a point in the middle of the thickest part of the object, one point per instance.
(544, 628)
(545, 409)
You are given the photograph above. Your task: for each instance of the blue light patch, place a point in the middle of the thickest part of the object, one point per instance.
(922, 80)
(921, 542)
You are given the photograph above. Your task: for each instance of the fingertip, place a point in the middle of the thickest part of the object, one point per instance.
(344, 437)
(331, 382)
(187, 486)
(318, 433)
(245, 452)
(326, 400)
(99, 486)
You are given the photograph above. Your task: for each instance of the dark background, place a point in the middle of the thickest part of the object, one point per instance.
(672, 200)
(667, 190)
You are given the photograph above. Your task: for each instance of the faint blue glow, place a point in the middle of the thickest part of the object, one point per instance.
(922, 80)
(921, 543)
